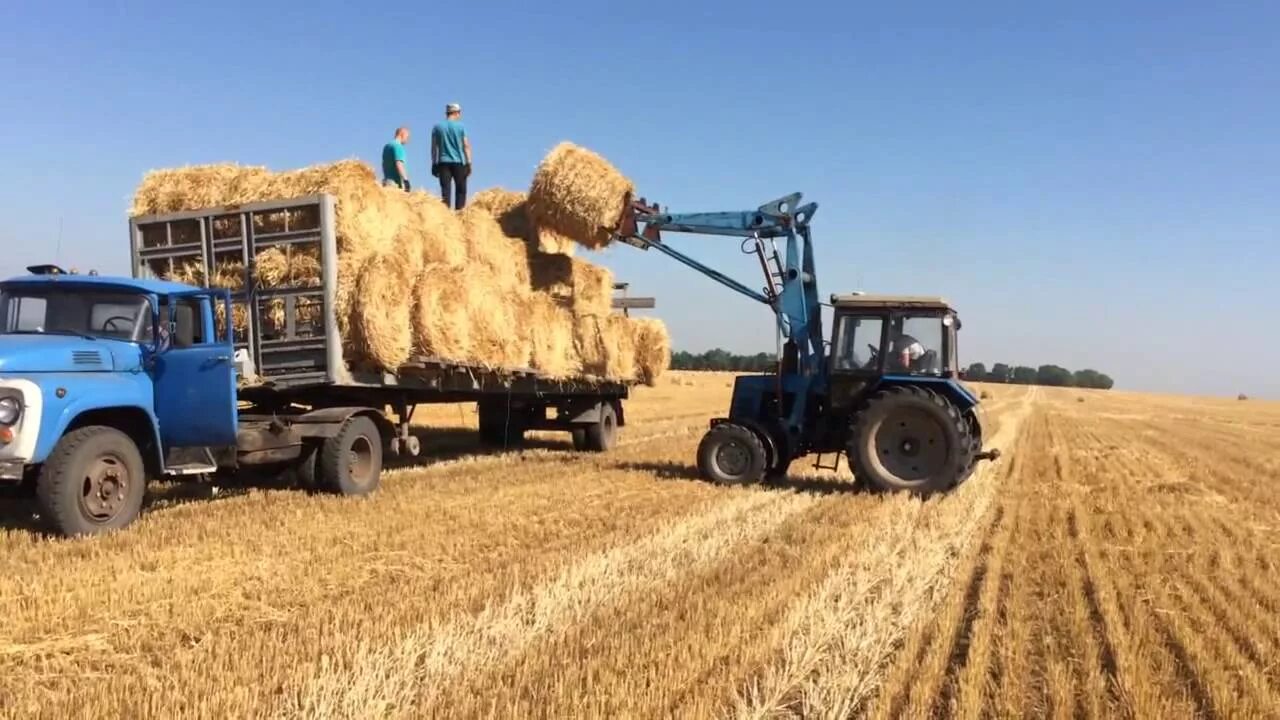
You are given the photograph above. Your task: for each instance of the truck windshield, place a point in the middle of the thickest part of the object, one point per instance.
(74, 311)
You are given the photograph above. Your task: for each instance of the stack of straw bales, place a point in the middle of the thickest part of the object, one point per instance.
(495, 285)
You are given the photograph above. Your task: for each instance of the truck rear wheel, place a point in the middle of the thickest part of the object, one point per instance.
(350, 463)
(92, 483)
(731, 454)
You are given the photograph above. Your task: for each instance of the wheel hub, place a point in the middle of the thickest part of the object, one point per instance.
(106, 483)
(360, 460)
(733, 458)
(911, 445)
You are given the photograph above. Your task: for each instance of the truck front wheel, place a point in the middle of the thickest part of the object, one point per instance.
(92, 483)
(350, 463)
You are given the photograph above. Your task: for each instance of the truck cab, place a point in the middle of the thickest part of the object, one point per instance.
(104, 382)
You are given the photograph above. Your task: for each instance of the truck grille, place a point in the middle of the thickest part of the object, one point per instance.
(86, 357)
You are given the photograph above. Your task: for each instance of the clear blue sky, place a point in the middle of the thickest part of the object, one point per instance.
(1093, 184)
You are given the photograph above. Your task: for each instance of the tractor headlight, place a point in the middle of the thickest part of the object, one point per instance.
(10, 410)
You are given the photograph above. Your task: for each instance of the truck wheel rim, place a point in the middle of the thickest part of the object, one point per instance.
(360, 460)
(733, 459)
(104, 488)
(911, 445)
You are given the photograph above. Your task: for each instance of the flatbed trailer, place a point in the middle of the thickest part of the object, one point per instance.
(295, 382)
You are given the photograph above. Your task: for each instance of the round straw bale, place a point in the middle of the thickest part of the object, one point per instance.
(381, 329)
(579, 194)
(551, 336)
(498, 340)
(620, 347)
(586, 287)
(441, 326)
(505, 206)
(441, 230)
(653, 348)
(366, 225)
(589, 345)
(197, 187)
(488, 247)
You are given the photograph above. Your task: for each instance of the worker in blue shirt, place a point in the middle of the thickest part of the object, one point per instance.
(451, 156)
(394, 171)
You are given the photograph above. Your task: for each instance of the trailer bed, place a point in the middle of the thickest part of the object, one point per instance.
(303, 357)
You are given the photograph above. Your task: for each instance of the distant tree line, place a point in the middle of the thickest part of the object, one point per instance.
(1051, 375)
(718, 359)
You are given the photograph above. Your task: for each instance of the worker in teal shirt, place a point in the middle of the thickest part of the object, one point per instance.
(394, 172)
(451, 156)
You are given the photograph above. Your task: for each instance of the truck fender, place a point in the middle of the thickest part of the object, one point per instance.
(327, 422)
(136, 422)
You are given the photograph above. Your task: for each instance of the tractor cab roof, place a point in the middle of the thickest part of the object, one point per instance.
(890, 302)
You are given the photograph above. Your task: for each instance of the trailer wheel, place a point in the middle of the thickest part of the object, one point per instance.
(602, 435)
(350, 463)
(731, 454)
(92, 483)
(579, 439)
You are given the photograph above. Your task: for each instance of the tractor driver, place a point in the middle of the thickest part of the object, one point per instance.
(905, 350)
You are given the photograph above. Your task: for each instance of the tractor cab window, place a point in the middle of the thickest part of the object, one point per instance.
(915, 345)
(858, 342)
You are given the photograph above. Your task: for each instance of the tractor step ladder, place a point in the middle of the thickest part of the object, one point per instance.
(834, 466)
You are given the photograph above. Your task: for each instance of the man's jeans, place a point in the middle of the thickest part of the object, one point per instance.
(453, 174)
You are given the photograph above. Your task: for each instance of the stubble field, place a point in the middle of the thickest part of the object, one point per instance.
(1121, 559)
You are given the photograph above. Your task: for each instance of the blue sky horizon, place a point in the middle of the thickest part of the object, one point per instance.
(1092, 185)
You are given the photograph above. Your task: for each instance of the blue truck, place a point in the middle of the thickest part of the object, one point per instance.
(107, 383)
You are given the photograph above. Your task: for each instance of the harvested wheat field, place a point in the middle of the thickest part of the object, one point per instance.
(1120, 560)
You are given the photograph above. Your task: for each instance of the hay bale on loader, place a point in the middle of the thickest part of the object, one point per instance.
(578, 194)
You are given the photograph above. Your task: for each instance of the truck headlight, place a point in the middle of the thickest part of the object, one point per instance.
(10, 410)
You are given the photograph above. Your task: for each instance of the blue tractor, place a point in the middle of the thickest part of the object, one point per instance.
(885, 391)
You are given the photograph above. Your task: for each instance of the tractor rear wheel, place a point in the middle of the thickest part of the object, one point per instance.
(910, 438)
(732, 454)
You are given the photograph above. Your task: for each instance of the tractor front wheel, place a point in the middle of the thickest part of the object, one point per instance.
(910, 438)
(731, 454)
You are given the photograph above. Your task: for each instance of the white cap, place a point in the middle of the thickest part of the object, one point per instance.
(453, 107)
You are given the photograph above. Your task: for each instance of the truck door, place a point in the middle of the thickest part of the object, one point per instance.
(193, 375)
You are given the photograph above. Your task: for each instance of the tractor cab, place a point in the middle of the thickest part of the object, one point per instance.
(893, 335)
